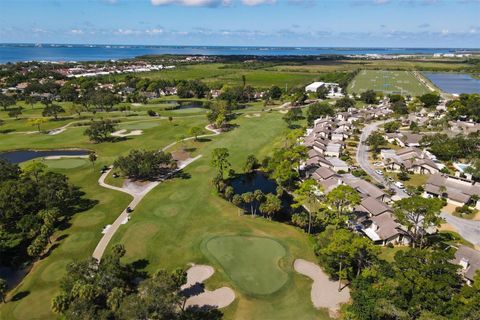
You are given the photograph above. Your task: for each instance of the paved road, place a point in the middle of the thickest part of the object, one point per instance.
(362, 158)
(137, 195)
(468, 229)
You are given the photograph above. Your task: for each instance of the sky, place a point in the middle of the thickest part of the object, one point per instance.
(312, 23)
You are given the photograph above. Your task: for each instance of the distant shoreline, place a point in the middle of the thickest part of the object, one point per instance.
(20, 52)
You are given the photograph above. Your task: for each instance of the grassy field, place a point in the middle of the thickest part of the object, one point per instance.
(34, 294)
(169, 226)
(388, 82)
(294, 74)
(252, 263)
(218, 73)
(174, 221)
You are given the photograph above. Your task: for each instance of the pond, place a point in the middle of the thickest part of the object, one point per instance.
(455, 83)
(260, 181)
(13, 276)
(179, 104)
(25, 155)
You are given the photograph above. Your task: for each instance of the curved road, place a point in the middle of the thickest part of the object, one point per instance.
(362, 158)
(468, 229)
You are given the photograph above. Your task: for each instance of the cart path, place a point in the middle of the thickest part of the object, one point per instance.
(137, 194)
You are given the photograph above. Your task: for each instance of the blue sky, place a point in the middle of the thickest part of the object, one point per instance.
(316, 23)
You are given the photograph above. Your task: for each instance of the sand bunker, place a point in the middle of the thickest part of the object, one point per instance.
(57, 131)
(196, 293)
(324, 292)
(123, 133)
(254, 115)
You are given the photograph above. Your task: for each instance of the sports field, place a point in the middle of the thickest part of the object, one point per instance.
(388, 82)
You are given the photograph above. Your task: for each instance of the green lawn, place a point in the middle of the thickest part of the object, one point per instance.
(76, 242)
(173, 222)
(400, 82)
(66, 163)
(169, 226)
(252, 263)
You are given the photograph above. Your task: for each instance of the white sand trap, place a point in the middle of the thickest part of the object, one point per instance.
(324, 292)
(66, 157)
(219, 298)
(57, 131)
(255, 115)
(199, 296)
(283, 111)
(198, 274)
(137, 104)
(123, 133)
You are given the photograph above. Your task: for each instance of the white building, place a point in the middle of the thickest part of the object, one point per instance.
(314, 86)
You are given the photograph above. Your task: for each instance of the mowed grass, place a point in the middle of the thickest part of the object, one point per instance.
(169, 226)
(77, 242)
(388, 82)
(252, 263)
(219, 73)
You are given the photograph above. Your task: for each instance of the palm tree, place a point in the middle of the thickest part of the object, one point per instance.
(248, 198)
(3, 289)
(258, 195)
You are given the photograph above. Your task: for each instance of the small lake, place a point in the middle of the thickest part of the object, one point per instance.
(260, 181)
(25, 155)
(176, 104)
(455, 83)
(12, 276)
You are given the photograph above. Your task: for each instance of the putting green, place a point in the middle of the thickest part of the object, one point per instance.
(139, 125)
(251, 262)
(66, 163)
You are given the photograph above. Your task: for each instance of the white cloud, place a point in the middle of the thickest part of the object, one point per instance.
(257, 2)
(154, 31)
(127, 32)
(192, 3)
(77, 31)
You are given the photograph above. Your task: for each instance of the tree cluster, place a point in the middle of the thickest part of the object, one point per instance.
(33, 204)
(109, 290)
(145, 165)
(466, 107)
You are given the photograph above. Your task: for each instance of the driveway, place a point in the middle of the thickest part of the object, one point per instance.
(468, 229)
(362, 158)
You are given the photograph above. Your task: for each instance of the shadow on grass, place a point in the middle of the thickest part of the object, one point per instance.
(205, 312)
(182, 175)
(62, 237)
(140, 264)
(20, 295)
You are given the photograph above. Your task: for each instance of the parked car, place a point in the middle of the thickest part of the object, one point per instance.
(399, 185)
(129, 209)
(378, 164)
(380, 172)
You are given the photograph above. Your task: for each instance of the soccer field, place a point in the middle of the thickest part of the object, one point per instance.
(388, 82)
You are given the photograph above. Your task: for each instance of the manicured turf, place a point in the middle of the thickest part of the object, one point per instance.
(77, 242)
(253, 263)
(169, 226)
(139, 125)
(173, 222)
(67, 163)
(399, 82)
